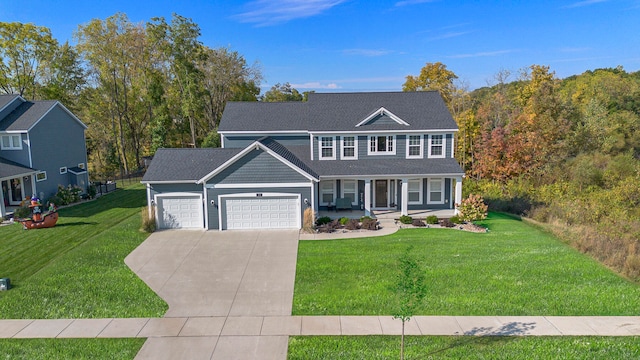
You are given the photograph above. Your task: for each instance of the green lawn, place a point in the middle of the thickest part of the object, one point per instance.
(449, 347)
(515, 269)
(64, 349)
(76, 269)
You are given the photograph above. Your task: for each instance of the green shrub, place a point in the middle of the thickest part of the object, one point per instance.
(344, 220)
(365, 218)
(22, 212)
(406, 219)
(473, 208)
(91, 191)
(323, 220)
(68, 195)
(55, 200)
(432, 219)
(455, 219)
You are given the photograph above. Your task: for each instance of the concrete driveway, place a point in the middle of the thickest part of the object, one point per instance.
(219, 274)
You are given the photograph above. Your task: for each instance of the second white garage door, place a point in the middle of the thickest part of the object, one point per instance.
(280, 212)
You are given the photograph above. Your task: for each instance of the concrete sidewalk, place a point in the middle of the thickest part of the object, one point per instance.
(277, 326)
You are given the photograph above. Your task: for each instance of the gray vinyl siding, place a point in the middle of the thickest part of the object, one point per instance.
(214, 210)
(359, 194)
(174, 188)
(242, 141)
(257, 167)
(19, 156)
(57, 141)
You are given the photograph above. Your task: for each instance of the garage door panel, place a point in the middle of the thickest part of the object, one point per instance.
(175, 212)
(280, 212)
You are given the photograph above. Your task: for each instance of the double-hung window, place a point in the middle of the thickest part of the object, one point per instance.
(435, 191)
(327, 191)
(349, 190)
(11, 142)
(415, 192)
(414, 147)
(382, 145)
(349, 147)
(436, 146)
(327, 149)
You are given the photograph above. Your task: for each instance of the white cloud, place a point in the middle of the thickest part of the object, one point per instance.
(366, 52)
(272, 12)
(481, 54)
(316, 85)
(583, 3)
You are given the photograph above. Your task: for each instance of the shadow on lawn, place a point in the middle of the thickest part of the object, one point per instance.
(76, 223)
(490, 335)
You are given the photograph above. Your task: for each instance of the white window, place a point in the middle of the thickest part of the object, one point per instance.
(436, 146)
(327, 192)
(414, 146)
(327, 149)
(349, 147)
(415, 192)
(81, 166)
(435, 191)
(11, 142)
(349, 190)
(382, 145)
(41, 176)
(63, 170)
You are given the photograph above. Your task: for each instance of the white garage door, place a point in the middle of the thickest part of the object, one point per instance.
(263, 213)
(179, 212)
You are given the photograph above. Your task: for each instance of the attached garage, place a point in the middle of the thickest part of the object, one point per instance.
(267, 211)
(179, 211)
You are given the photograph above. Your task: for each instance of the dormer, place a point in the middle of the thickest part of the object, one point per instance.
(382, 116)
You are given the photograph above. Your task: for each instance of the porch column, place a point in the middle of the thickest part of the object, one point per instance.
(404, 208)
(33, 187)
(367, 197)
(3, 211)
(458, 193)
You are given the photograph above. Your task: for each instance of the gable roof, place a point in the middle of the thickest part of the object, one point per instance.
(185, 165)
(6, 99)
(340, 112)
(29, 113)
(10, 169)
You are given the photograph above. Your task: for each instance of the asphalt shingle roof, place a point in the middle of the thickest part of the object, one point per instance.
(6, 99)
(9, 169)
(423, 110)
(186, 164)
(288, 155)
(25, 115)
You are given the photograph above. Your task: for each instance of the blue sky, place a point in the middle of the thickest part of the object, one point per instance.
(372, 45)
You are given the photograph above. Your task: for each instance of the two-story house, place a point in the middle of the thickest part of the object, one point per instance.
(42, 145)
(381, 151)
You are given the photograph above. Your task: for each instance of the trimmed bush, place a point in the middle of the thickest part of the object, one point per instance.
(344, 220)
(418, 223)
(473, 208)
(406, 219)
(455, 219)
(323, 220)
(432, 219)
(22, 212)
(366, 217)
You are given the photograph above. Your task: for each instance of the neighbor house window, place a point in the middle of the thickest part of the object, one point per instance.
(327, 148)
(349, 148)
(41, 176)
(415, 192)
(11, 142)
(414, 146)
(327, 191)
(349, 190)
(63, 170)
(382, 145)
(436, 146)
(435, 191)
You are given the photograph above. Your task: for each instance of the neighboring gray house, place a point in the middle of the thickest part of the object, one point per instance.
(364, 151)
(42, 145)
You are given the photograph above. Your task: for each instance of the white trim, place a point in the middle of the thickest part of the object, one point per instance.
(262, 195)
(355, 189)
(41, 172)
(385, 176)
(149, 205)
(221, 140)
(11, 137)
(394, 145)
(254, 146)
(382, 111)
(178, 194)
(397, 132)
(205, 206)
(355, 148)
(11, 102)
(444, 147)
(320, 132)
(333, 148)
(256, 185)
(421, 155)
(29, 150)
(63, 170)
(170, 182)
(261, 133)
(320, 193)
(420, 192)
(453, 145)
(442, 189)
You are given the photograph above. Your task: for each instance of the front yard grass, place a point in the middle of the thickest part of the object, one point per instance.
(76, 269)
(515, 269)
(463, 347)
(76, 349)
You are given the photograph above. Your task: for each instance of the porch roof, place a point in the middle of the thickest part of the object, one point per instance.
(10, 169)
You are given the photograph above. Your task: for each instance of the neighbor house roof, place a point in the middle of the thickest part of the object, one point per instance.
(27, 114)
(186, 165)
(422, 110)
(6, 99)
(10, 169)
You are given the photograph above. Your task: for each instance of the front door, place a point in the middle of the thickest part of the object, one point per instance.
(15, 191)
(381, 194)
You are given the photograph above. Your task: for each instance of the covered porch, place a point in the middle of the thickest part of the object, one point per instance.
(388, 214)
(17, 182)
